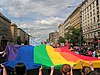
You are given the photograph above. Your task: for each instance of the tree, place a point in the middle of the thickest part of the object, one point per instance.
(18, 40)
(95, 41)
(73, 36)
(61, 40)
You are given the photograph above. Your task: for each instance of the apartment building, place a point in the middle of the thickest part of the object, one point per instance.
(5, 33)
(73, 20)
(27, 36)
(91, 18)
(23, 35)
(13, 29)
(75, 17)
(53, 37)
(66, 25)
(61, 30)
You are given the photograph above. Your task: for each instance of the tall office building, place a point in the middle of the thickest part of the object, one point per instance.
(91, 19)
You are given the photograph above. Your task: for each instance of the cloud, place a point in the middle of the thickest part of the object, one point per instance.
(44, 23)
(43, 7)
(43, 27)
(50, 21)
(39, 17)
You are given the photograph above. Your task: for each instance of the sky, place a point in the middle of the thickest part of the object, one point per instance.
(38, 17)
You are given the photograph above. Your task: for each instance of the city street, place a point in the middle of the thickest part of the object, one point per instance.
(50, 37)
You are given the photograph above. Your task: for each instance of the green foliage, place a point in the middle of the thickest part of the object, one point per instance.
(61, 40)
(73, 36)
(18, 40)
(95, 41)
(95, 38)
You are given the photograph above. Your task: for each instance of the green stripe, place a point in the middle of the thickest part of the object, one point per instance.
(41, 56)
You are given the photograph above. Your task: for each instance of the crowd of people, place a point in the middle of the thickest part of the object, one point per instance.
(66, 69)
(86, 50)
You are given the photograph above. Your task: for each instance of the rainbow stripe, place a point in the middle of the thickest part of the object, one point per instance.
(49, 56)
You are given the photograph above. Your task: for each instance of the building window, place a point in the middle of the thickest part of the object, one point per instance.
(97, 8)
(90, 14)
(91, 21)
(97, 3)
(87, 9)
(93, 11)
(94, 19)
(93, 5)
(98, 24)
(98, 12)
(94, 34)
(90, 7)
(97, 18)
(98, 33)
(88, 28)
(91, 27)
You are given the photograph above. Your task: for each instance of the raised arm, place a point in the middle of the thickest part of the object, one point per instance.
(71, 72)
(4, 69)
(52, 70)
(40, 70)
(91, 66)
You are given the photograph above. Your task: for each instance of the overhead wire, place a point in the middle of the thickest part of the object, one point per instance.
(19, 10)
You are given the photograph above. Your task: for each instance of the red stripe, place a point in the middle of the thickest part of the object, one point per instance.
(71, 56)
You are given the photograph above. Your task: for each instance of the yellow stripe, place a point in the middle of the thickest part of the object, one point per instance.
(96, 64)
(56, 58)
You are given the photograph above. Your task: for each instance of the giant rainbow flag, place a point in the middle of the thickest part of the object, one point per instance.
(47, 56)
